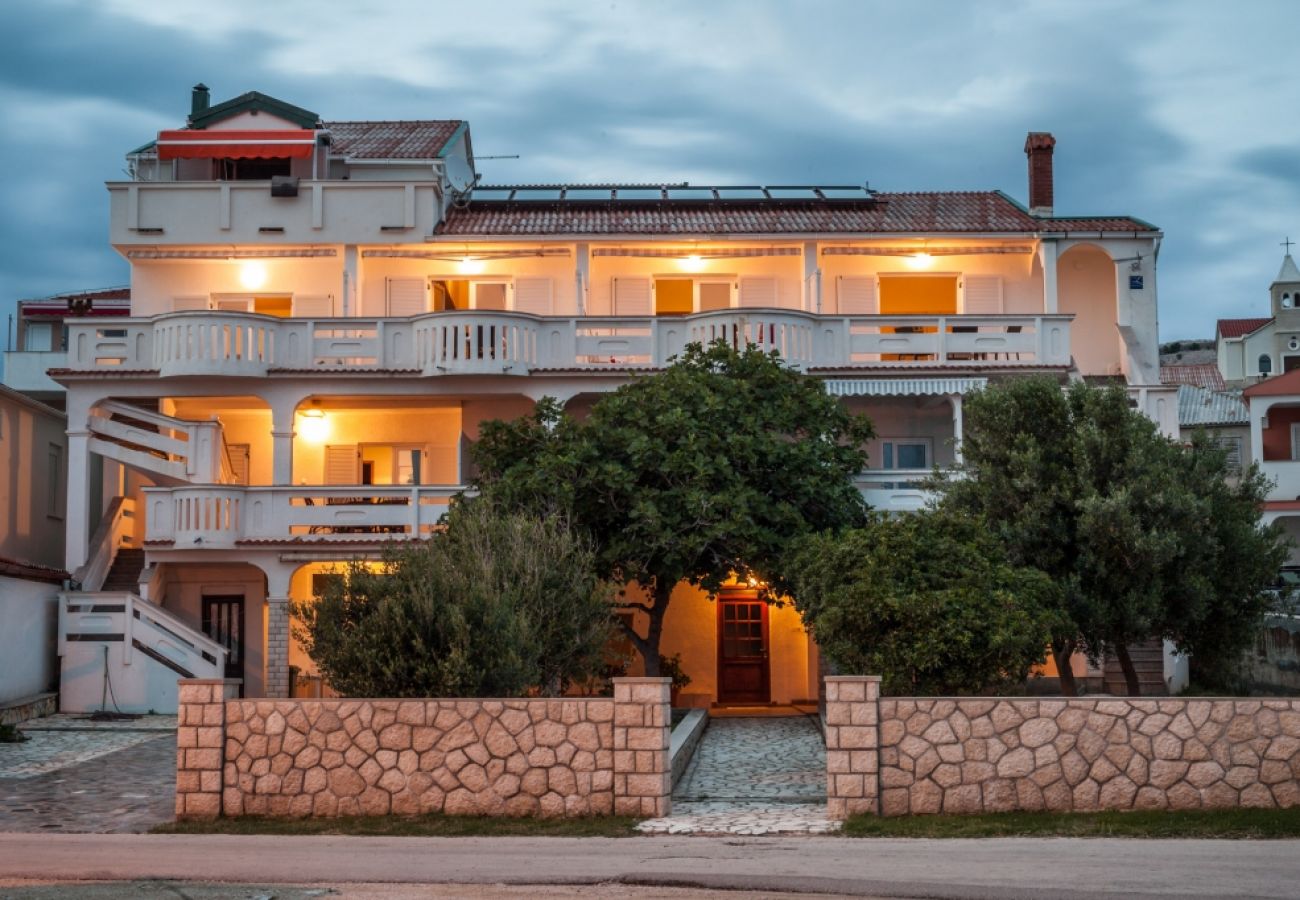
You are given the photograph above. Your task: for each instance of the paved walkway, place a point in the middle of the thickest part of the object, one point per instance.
(76, 775)
(752, 776)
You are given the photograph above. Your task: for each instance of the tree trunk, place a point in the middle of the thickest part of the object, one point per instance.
(1061, 652)
(1130, 674)
(648, 646)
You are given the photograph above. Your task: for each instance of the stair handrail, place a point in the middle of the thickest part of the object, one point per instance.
(142, 414)
(184, 632)
(110, 535)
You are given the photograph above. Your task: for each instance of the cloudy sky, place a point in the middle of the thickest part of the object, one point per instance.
(1183, 113)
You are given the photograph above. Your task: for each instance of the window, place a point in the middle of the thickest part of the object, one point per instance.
(460, 294)
(918, 295)
(1265, 364)
(1231, 446)
(54, 482)
(38, 336)
(904, 454)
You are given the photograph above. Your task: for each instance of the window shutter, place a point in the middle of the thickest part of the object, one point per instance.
(632, 297)
(313, 307)
(533, 295)
(856, 295)
(341, 464)
(983, 295)
(238, 462)
(1232, 445)
(188, 304)
(758, 292)
(406, 297)
(234, 304)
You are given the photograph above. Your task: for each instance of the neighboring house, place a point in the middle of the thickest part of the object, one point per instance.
(1203, 375)
(324, 313)
(39, 337)
(33, 448)
(1252, 349)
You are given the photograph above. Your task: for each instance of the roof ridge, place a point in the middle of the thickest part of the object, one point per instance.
(329, 122)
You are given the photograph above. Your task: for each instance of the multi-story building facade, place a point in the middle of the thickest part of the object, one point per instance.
(324, 313)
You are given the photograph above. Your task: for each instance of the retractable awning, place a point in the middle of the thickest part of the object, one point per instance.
(200, 144)
(902, 387)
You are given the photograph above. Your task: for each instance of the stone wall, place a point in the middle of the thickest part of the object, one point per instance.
(992, 755)
(852, 745)
(516, 757)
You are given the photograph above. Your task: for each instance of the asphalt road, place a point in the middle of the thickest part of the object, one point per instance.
(1004, 869)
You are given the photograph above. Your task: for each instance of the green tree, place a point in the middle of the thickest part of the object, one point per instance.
(1141, 536)
(500, 605)
(927, 601)
(704, 470)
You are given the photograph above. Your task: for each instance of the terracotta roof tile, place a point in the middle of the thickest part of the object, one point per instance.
(1235, 328)
(391, 140)
(951, 212)
(1206, 375)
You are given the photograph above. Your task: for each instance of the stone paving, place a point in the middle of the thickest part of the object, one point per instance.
(76, 775)
(752, 776)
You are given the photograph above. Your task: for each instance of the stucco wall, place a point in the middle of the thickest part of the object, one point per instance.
(1086, 288)
(1276, 438)
(187, 584)
(519, 757)
(32, 503)
(28, 624)
(992, 755)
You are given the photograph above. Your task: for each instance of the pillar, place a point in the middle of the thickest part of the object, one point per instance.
(277, 630)
(77, 501)
(852, 745)
(351, 278)
(643, 775)
(200, 745)
(956, 427)
(812, 279)
(1047, 258)
(282, 435)
(582, 276)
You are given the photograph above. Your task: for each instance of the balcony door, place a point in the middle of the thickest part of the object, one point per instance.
(744, 669)
(223, 622)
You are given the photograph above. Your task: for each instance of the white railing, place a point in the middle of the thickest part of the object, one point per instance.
(894, 490)
(115, 633)
(246, 344)
(177, 449)
(115, 531)
(225, 515)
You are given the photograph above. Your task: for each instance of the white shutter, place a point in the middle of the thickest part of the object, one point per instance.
(983, 295)
(318, 307)
(758, 292)
(533, 295)
(238, 461)
(233, 304)
(856, 295)
(407, 296)
(341, 464)
(632, 297)
(187, 304)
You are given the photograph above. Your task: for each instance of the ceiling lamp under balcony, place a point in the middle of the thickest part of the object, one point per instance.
(314, 426)
(252, 275)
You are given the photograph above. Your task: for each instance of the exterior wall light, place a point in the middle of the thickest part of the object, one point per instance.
(468, 265)
(252, 275)
(314, 426)
(920, 260)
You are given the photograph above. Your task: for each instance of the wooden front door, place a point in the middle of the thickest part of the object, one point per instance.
(743, 669)
(223, 621)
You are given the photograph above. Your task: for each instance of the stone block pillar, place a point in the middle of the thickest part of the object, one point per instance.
(277, 647)
(642, 765)
(852, 745)
(200, 746)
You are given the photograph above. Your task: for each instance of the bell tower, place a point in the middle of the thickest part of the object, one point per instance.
(1284, 298)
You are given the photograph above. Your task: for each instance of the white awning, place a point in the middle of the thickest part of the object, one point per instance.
(902, 387)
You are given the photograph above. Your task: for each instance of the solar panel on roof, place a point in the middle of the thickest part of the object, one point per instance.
(792, 193)
(741, 193)
(845, 193)
(493, 193)
(690, 193)
(640, 194)
(587, 194)
(533, 194)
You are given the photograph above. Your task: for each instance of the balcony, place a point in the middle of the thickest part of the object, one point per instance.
(167, 213)
(227, 516)
(508, 343)
(894, 490)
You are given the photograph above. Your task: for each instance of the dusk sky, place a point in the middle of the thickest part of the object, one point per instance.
(1181, 113)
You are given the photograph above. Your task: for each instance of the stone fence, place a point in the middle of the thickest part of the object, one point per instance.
(900, 756)
(515, 757)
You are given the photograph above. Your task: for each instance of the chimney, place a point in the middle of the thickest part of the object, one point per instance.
(199, 98)
(1038, 147)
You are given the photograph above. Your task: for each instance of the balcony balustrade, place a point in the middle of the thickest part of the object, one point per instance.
(224, 516)
(451, 343)
(894, 490)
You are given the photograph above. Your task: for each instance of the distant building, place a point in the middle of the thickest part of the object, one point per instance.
(39, 334)
(1256, 348)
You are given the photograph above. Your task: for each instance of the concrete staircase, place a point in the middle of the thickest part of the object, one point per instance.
(1149, 661)
(169, 450)
(124, 574)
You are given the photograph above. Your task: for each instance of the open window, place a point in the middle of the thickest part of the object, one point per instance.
(918, 295)
(278, 305)
(393, 464)
(450, 294)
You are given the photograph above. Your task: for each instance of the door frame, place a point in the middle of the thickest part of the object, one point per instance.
(205, 612)
(745, 595)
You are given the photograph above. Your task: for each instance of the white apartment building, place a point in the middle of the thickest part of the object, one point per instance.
(323, 313)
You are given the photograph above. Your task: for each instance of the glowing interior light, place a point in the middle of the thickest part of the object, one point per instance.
(921, 260)
(313, 426)
(252, 275)
(693, 263)
(470, 266)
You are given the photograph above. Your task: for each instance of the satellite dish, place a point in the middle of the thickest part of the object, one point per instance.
(460, 174)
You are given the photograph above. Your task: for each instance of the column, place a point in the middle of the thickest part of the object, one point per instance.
(351, 275)
(956, 427)
(77, 501)
(812, 279)
(582, 276)
(852, 745)
(643, 776)
(282, 434)
(1047, 258)
(277, 630)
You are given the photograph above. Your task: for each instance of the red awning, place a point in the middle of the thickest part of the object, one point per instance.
(199, 144)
